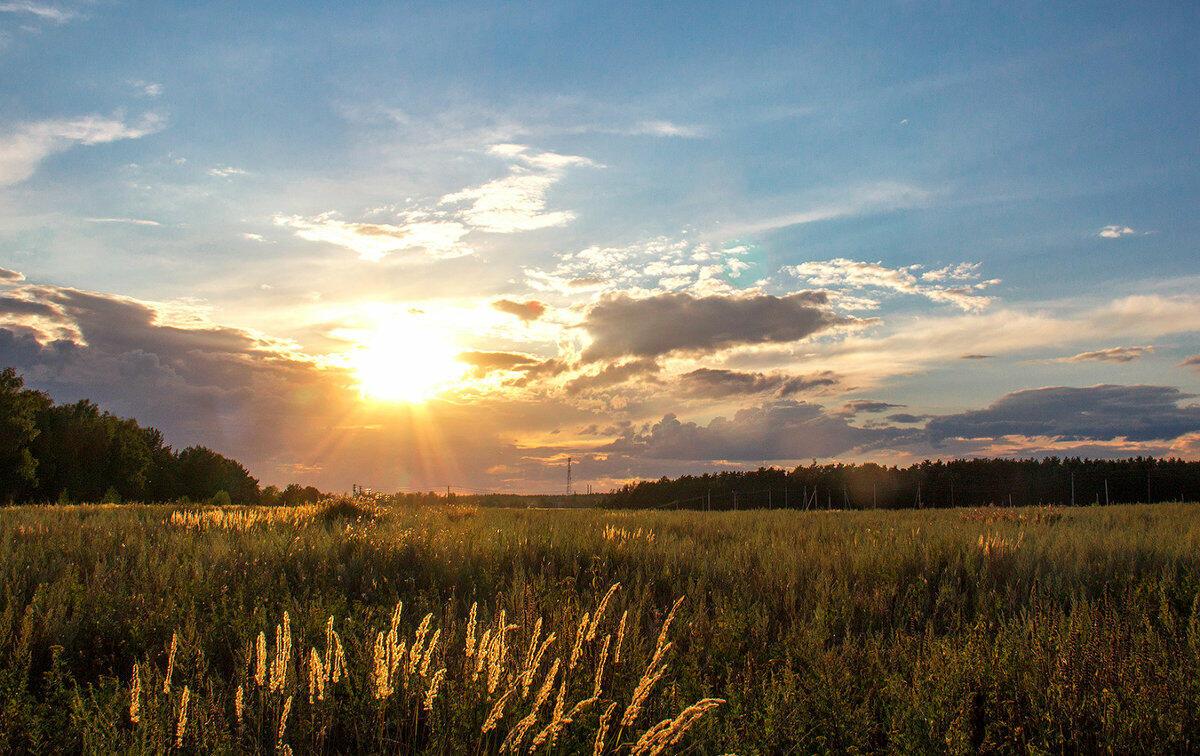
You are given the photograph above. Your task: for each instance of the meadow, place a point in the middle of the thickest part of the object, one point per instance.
(355, 626)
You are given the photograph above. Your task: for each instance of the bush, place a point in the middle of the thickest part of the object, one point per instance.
(220, 499)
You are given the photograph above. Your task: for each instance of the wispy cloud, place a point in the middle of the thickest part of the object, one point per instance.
(517, 202)
(963, 290)
(878, 197)
(1112, 354)
(26, 146)
(374, 241)
(226, 171)
(45, 12)
(130, 221)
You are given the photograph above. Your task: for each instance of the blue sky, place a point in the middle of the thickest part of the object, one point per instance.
(350, 191)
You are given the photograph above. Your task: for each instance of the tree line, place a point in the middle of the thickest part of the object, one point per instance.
(953, 483)
(77, 452)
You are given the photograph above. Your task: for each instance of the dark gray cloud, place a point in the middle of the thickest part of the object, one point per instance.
(711, 383)
(10, 276)
(866, 405)
(621, 325)
(1192, 362)
(1112, 354)
(904, 417)
(976, 357)
(528, 310)
(10, 305)
(779, 430)
(1103, 413)
(613, 375)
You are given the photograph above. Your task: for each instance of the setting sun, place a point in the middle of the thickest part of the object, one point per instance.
(405, 362)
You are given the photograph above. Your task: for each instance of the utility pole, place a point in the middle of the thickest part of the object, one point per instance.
(447, 492)
(568, 476)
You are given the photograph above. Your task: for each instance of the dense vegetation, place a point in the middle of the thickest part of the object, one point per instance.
(959, 482)
(77, 452)
(1026, 629)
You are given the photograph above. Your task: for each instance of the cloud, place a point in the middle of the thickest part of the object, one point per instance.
(710, 383)
(612, 375)
(621, 325)
(23, 148)
(976, 357)
(129, 221)
(528, 310)
(1192, 362)
(146, 88)
(45, 12)
(666, 129)
(1105, 412)
(10, 276)
(1115, 232)
(487, 362)
(905, 417)
(879, 197)
(225, 171)
(779, 430)
(517, 202)
(854, 274)
(374, 241)
(1113, 354)
(865, 405)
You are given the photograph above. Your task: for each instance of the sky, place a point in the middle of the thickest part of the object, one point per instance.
(418, 245)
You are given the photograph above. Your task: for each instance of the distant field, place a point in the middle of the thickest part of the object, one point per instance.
(917, 631)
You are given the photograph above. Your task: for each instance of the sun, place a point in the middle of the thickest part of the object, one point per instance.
(405, 362)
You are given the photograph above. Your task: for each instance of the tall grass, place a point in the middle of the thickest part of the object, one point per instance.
(355, 628)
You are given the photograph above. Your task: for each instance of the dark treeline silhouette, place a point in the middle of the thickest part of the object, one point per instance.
(77, 452)
(960, 482)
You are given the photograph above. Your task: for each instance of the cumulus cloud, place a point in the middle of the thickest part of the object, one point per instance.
(225, 171)
(1192, 362)
(1104, 412)
(613, 375)
(436, 238)
(530, 309)
(621, 325)
(954, 284)
(1115, 232)
(779, 430)
(711, 383)
(28, 144)
(1112, 354)
(517, 202)
(10, 276)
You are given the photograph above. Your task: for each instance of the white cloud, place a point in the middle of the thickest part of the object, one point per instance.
(130, 221)
(667, 129)
(44, 12)
(879, 197)
(1115, 232)
(374, 241)
(225, 171)
(517, 202)
(23, 148)
(854, 274)
(146, 88)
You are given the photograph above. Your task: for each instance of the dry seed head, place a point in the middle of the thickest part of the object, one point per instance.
(239, 704)
(470, 642)
(170, 663)
(135, 695)
(577, 649)
(591, 634)
(260, 666)
(602, 730)
(493, 717)
(429, 652)
(620, 637)
(434, 682)
(666, 626)
(534, 663)
(181, 725)
(283, 718)
(599, 681)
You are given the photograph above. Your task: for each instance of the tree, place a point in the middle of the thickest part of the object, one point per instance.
(19, 408)
(202, 472)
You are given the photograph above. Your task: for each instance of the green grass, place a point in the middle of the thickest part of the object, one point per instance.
(1077, 630)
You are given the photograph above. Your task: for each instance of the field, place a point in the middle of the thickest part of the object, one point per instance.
(137, 628)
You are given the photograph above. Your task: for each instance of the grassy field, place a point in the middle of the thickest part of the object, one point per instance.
(916, 631)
